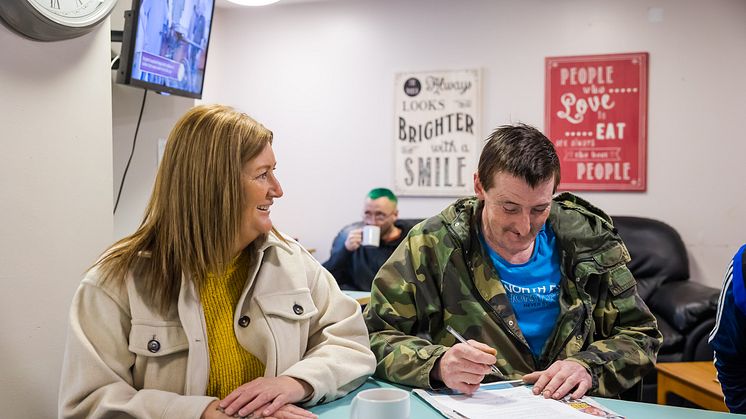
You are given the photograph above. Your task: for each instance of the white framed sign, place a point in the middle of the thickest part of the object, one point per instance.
(437, 120)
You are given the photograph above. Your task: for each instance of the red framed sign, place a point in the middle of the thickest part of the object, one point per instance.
(596, 116)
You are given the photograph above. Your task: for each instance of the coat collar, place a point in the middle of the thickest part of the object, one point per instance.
(582, 229)
(278, 240)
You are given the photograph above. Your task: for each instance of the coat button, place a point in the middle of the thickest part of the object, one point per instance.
(298, 309)
(244, 321)
(154, 346)
(321, 400)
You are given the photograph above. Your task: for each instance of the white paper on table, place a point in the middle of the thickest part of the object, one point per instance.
(506, 403)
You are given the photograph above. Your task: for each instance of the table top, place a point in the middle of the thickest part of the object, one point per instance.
(340, 409)
(701, 375)
(362, 297)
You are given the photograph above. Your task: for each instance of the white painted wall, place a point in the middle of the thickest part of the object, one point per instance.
(320, 75)
(159, 115)
(55, 203)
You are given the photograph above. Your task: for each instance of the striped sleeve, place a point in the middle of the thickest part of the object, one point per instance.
(725, 295)
(739, 281)
(728, 337)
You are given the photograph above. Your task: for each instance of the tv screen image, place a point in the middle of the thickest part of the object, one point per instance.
(164, 45)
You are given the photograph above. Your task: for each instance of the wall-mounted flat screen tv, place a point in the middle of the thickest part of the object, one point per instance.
(164, 45)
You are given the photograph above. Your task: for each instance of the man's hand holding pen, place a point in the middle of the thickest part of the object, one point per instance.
(464, 365)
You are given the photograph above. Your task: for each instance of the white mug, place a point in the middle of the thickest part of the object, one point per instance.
(371, 235)
(380, 403)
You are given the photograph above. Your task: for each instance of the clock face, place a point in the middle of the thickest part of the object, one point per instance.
(77, 13)
(53, 20)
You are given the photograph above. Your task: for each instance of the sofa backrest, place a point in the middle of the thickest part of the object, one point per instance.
(657, 251)
(410, 222)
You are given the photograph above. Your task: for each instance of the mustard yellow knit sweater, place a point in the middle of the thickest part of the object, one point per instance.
(230, 364)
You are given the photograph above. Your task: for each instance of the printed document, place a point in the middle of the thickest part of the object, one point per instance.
(512, 400)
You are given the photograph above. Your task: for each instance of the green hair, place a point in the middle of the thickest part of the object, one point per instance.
(382, 193)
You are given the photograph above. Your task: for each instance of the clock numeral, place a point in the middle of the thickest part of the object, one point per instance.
(80, 2)
(55, 4)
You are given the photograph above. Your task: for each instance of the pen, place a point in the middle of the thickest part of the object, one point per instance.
(461, 339)
(460, 414)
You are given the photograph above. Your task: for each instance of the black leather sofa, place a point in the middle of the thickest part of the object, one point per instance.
(685, 309)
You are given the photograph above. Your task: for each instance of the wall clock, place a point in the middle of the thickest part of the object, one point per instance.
(54, 20)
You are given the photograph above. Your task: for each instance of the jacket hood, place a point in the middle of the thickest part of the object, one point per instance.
(583, 230)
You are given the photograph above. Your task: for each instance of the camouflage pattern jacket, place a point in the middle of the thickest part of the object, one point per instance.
(441, 275)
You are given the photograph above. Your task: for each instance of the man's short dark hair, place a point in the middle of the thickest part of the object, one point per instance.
(519, 150)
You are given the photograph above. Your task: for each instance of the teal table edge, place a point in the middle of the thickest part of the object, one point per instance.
(340, 408)
(356, 294)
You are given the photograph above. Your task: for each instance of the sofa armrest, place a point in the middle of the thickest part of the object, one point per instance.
(684, 304)
(696, 347)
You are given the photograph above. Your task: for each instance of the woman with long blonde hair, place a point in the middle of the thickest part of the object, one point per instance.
(207, 310)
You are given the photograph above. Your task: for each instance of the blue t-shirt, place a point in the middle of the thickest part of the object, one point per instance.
(533, 288)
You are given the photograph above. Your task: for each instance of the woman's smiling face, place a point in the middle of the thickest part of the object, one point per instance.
(260, 188)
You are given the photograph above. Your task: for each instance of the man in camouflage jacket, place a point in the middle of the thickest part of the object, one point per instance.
(442, 275)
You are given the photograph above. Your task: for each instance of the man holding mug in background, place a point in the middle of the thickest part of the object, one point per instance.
(354, 261)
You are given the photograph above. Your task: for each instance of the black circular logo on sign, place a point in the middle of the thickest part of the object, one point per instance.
(412, 87)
